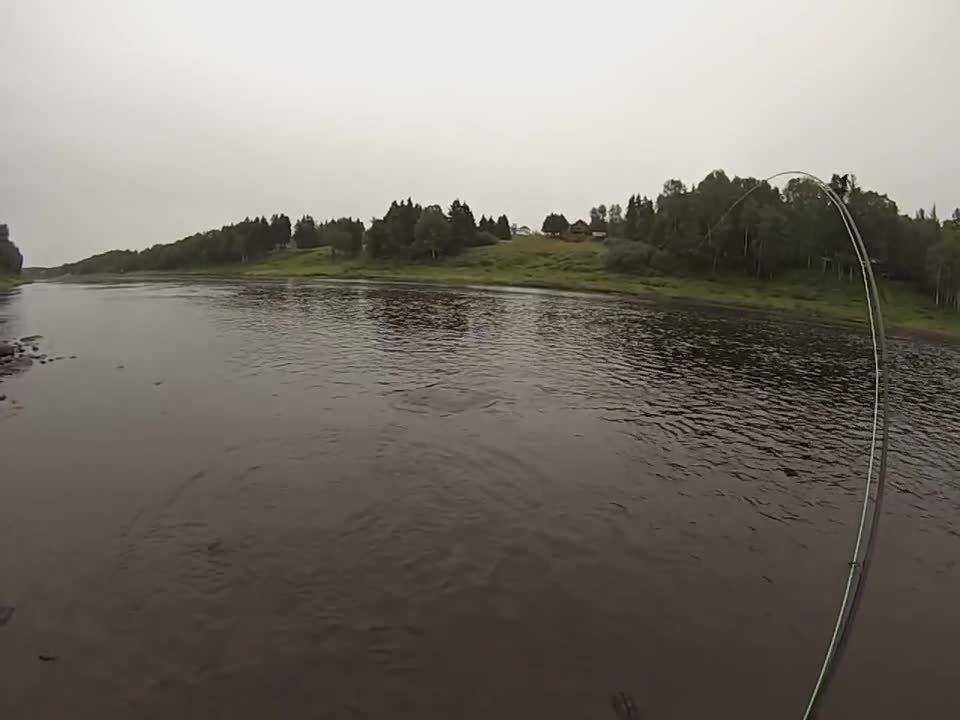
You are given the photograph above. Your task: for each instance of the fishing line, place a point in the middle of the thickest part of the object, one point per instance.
(869, 521)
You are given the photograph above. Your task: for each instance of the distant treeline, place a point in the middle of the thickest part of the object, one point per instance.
(694, 230)
(11, 261)
(407, 231)
(684, 230)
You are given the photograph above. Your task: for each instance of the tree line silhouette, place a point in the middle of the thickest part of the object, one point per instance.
(10, 258)
(684, 230)
(407, 231)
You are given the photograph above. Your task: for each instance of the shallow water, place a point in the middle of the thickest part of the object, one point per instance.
(362, 500)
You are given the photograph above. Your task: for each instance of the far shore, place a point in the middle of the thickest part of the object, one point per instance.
(539, 262)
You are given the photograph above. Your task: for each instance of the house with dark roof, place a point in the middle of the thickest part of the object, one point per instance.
(579, 230)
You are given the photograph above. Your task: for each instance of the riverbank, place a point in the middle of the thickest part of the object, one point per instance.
(8, 281)
(537, 261)
(543, 262)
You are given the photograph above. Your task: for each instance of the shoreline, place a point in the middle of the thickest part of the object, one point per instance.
(541, 262)
(649, 294)
(721, 295)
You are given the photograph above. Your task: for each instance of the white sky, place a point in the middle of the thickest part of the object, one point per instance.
(126, 123)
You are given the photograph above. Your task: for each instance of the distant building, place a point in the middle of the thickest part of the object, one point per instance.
(522, 230)
(579, 230)
(598, 234)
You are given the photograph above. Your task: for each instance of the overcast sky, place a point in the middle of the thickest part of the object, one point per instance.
(126, 123)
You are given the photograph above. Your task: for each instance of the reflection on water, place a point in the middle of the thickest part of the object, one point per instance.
(364, 500)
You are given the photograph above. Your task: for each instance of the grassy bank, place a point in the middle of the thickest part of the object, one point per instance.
(8, 281)
(538, 261)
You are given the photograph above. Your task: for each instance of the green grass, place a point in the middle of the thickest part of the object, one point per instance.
(7, 281)
(533, 260)
(538, 261)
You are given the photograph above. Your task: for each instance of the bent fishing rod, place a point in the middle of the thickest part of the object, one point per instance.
(872, 502)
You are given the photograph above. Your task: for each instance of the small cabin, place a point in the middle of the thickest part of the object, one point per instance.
(579, 230)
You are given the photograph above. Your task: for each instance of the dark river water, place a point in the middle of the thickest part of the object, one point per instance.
(372, 501)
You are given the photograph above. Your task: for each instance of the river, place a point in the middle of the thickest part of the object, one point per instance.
(336, 500)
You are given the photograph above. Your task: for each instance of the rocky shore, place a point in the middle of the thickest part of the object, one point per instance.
(19, 355)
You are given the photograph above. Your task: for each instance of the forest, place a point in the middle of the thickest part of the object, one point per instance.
(693, 231)
(683, 231)
(407, 231)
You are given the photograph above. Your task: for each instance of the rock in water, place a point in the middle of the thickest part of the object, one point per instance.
(6, 612)
(6, 350)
